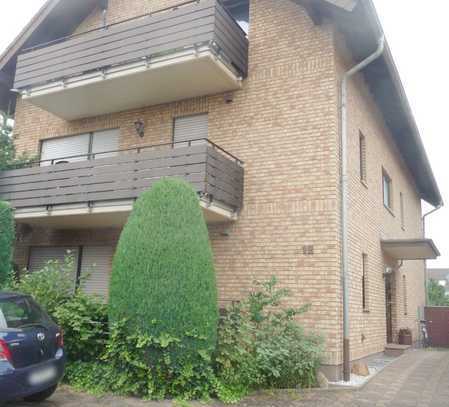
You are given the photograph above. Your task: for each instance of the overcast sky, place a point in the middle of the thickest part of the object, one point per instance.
(418, 36)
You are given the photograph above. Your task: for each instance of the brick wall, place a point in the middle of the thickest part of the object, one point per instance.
(370, 222)
(284, 125)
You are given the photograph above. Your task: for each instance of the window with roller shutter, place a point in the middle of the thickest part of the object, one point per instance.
(188, 128)
(96, 269)
(40, 256)
(81, 147)
(95, 265)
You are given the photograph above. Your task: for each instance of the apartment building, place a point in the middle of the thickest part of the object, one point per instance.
(242, 99)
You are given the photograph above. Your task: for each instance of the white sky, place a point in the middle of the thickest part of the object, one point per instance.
(417, 32)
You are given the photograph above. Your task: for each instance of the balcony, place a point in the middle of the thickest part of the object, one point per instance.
(99, 190)
(195, 49)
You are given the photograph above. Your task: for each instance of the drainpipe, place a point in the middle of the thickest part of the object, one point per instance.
(426, 276)
(344, 201)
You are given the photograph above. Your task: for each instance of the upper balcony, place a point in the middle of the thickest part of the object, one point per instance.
(195, 49)
(99, 190)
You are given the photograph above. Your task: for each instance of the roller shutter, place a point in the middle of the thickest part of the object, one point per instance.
(105, 141)
(59, 149)
(96, 269)
(190, 128)
(40, 256)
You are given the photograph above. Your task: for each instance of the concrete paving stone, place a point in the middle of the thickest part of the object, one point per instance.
(418, 379)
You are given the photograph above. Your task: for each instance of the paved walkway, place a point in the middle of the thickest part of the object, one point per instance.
(418, 379)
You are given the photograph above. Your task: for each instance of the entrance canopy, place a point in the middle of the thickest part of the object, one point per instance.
(411, 249)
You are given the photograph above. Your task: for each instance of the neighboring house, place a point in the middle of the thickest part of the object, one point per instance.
(441, 276)
(253, 123)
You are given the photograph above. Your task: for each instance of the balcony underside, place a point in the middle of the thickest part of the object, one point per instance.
(104, 215)
(195, 49)
(183, 75)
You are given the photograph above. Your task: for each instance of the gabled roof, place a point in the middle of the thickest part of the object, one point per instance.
(356, 19)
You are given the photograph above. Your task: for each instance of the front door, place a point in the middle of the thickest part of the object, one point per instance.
(389, 306)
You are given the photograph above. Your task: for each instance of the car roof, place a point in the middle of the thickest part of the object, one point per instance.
(8, 295)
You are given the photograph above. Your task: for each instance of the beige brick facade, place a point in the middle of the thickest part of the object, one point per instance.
(284, 124)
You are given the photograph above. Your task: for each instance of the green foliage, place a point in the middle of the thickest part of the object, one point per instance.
(437, 294)
(82, 318)
(8, 157)
(7, 236)
(261, 346)
(141, 365)
(163, 280)
(85, 325)
(51, 287)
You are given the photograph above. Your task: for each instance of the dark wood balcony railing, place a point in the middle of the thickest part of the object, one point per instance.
(213, 173)
(193, 24)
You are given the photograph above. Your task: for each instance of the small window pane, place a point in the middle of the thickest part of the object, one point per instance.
(402, 210)
(362, 153)
(365, 282)
(387, 191)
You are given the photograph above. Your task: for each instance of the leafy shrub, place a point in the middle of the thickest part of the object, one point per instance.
(85, 325)
(82, 318)
(8, 155)
(260, 345)
(52, 286)
(7, 236)
(141, 365)
(163, 280)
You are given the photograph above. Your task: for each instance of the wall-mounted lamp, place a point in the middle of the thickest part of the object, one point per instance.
(140, 127)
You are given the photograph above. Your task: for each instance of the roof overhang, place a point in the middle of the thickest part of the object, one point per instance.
(410, 249)
(360, 25)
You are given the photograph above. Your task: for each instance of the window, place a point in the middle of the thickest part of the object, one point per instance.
(190, 128)
(80, 147)
(404, 294)
(16, 313)
(92, 264)
(387, 190)
(365, 282)
(401, 197)
(362, 155)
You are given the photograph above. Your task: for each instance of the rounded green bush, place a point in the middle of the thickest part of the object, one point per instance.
(7, 236)
(163, 279)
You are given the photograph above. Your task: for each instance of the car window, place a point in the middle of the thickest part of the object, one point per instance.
(19, 312)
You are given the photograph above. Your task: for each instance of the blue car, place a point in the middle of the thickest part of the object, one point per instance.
(32, 355)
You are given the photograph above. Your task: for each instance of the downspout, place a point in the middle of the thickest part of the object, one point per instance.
(344, 201)
(426, 276)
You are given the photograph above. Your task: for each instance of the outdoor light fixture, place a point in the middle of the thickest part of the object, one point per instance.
(140, 127)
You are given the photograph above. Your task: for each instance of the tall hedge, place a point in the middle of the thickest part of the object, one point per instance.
(7, 236)
(163, 279)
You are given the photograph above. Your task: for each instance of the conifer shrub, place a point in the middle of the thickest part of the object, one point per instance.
(7, 236)
(163, 279)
